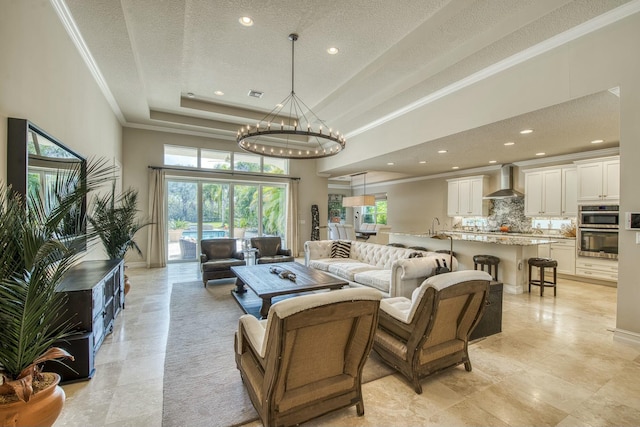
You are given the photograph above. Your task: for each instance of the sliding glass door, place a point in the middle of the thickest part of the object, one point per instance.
(205, 209)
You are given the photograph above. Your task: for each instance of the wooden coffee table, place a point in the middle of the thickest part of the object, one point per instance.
(267, 285)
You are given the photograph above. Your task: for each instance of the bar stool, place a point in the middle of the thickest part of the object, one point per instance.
(490, 261)
(543, 263)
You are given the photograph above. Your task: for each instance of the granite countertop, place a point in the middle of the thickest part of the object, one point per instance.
(514, 239)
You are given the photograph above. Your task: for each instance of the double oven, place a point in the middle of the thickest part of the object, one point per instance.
(598, 231)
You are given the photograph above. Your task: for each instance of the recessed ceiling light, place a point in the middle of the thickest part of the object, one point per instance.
(597, 141)
(422, 162)
(493, 161)
(218, 92)
(190, 95)
(333, 50)
(246, 21)
(390, 164)
(509, 143)
(279, 105)
(255, 93)
(540, 154)
(456, 167)
(526, 131)
(442, 151)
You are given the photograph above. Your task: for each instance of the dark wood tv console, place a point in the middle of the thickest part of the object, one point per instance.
(95, 292)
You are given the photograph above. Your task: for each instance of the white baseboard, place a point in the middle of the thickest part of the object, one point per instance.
(137, 264)
(626, 336)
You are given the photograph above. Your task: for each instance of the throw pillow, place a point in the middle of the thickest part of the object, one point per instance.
(340, 249)
(415, 255)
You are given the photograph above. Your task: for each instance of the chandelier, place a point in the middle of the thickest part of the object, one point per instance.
(291, 130)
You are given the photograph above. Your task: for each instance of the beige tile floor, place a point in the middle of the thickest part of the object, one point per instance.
(554, 364)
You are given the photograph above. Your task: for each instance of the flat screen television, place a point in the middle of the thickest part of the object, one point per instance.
(37, 163)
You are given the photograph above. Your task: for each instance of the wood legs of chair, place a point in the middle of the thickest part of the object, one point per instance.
(360, 408)
(467, 366)
(416, 384)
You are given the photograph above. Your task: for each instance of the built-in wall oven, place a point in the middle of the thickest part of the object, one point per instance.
(598, 231)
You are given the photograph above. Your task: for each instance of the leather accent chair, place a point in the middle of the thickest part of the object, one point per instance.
(217, 257)
(306, 358)
(430, 332)
(270, 250)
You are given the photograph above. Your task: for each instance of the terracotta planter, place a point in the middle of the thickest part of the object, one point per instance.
(42, 409)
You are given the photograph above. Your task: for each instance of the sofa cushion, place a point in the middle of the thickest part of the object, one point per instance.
(347, 270)
(340, 249)
(379, 279)
(324, 263)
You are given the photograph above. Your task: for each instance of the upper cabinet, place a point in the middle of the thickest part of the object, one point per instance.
(550, 192)
(465, 196)
(599, 180)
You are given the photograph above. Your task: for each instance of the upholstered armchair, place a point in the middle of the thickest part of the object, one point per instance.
(306, 359)
(430, 332)
(270, 250)
(217, 257)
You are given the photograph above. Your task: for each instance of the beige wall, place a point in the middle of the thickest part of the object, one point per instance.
(43, 79)
(593, 63)
(143, 148)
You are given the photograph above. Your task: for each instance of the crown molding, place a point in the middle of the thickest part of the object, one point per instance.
(72, 29)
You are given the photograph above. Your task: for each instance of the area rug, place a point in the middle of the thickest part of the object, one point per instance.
(202, 386)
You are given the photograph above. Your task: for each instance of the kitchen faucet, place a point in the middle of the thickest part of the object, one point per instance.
(433, 228)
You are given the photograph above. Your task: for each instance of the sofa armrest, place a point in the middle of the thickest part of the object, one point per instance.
(254, 331)
(286, 252)
(203, 258)
(238, 255)
(409, 273)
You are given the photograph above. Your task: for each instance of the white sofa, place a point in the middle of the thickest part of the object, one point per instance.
(388, 269)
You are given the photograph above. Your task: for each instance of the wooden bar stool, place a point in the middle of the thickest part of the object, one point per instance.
(490, 261)
(543, 263)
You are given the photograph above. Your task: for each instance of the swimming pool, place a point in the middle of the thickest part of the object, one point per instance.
(206, 234)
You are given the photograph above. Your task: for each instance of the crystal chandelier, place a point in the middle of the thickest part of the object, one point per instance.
(291, 130)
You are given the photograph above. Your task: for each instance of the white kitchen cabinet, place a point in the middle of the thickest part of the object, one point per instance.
(597, 268)
(563, 251)
(569, 192)
(543, 192)
(464, 197)
(599, 180)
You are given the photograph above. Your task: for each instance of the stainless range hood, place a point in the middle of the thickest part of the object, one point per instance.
(506, 185)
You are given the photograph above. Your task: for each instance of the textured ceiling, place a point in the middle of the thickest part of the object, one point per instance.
(151, 53)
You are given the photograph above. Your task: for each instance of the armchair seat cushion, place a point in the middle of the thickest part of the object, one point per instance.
(275, 258)
(221, 264)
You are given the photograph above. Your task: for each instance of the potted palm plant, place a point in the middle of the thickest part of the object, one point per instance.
(36, 252)
(114, 219)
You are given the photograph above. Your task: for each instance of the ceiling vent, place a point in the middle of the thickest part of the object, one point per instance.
(256, 93)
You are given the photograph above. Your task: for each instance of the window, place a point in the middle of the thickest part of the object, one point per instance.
(180, 156)
(210, 159)
(246, 162)
(203, 158)
(375, 214)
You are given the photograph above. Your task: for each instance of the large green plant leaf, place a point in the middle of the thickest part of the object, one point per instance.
(36, 251)
(114, 219)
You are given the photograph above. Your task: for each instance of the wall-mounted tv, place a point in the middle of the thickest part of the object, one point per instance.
(39, 164)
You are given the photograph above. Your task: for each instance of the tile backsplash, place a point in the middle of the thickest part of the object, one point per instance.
(509, 212)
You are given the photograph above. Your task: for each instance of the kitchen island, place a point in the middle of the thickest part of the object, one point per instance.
(513, 250)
